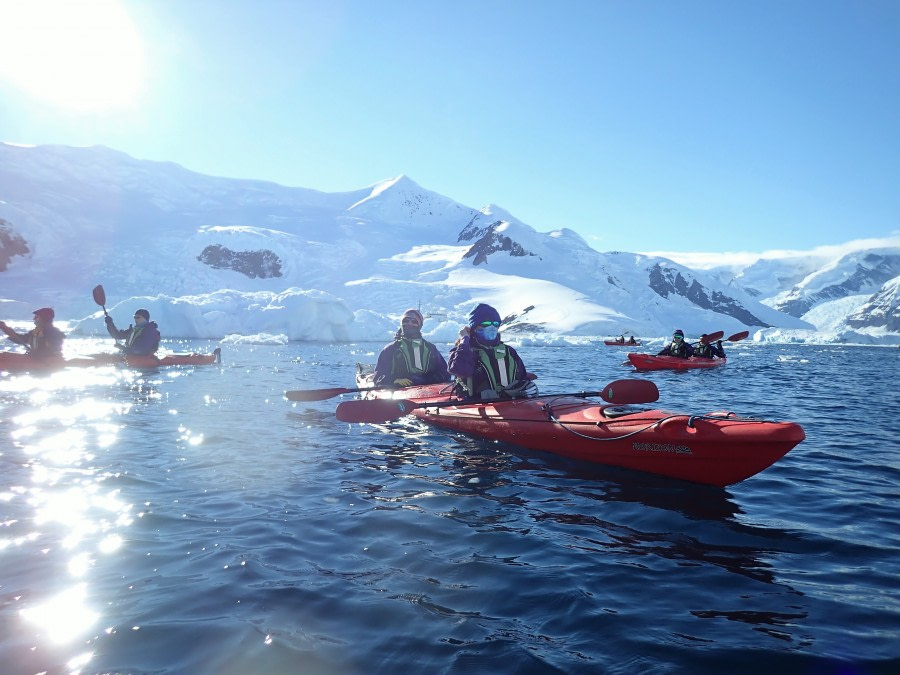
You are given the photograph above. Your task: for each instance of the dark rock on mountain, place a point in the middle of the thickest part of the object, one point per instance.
(489, 241)
(263, 264)
(666, 280)
(869, 272)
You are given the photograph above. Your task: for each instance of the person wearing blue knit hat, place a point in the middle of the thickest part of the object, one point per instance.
(485, 367)
(677, 347)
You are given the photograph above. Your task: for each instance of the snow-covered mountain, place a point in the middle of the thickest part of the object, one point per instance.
(217, 256)
(848, 296)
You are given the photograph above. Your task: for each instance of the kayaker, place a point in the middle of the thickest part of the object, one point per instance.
(42, 341)
(141, 339)
(410, 359)
(709, 351)
(631, 340)
(484, 366)
(677, 347)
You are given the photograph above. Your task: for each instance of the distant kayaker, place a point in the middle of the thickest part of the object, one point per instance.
(410, 359)
(42, 341)
(632, 341)
(709, 351)
(484, 366)
(677, 347)
(141, 339)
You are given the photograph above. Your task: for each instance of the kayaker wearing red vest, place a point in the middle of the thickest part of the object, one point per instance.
(677, 347)
(44, 340)
(410, 359)
(141, 339)
(484, 366)
(709, 351)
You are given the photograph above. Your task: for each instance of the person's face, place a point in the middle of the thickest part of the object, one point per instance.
(138, 320)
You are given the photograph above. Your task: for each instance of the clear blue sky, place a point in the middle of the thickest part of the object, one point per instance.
(657, 125)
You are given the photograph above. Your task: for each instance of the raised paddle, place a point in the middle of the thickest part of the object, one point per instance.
(100, 297)
(712, 337)
(738, 336)
(620, 392)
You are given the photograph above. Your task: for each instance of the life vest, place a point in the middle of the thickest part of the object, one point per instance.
(678, 348)
(703, 350)
(497, 364)
(45, 342)
(135, 332)
(413, 357)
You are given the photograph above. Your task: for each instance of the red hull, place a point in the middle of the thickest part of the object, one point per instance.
(12, 361)
(652, 362)
(715, 449)
(613, 343)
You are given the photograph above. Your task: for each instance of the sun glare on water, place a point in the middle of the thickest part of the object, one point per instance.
(82, 56)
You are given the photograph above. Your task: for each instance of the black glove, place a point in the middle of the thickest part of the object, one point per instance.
(719, 343)
(108, 320)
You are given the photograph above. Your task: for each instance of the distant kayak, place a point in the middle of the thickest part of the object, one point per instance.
(17, 362)
(652, 362)
(615, 343)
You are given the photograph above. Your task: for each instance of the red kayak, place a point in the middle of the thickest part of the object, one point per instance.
(717, 449)
(652, 362)
(14, 361)
(616, 343)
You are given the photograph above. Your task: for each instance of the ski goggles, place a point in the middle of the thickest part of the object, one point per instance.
(489, 323)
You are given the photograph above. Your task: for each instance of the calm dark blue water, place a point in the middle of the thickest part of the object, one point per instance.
(193, 521)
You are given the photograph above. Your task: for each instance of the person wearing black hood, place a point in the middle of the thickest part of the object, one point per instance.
(485, 367)
(141, 339)
(410, 359)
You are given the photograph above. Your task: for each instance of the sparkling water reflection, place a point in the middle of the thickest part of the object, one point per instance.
(192, 520)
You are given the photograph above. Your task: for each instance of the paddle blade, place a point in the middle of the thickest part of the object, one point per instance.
(739, 336)
(622, 392)
(712, 337)
(374, 410)
(99, 295)
(316, 394)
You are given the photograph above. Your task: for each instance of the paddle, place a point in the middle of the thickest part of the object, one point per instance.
(620, 392)
(100, 298)
(738, 336)
(323, 394)
(712, 337)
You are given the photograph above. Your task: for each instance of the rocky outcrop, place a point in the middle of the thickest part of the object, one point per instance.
(667, 281)
(488, 241)
(262, 264)
(870, 271)
(11, 244)
(882, 310)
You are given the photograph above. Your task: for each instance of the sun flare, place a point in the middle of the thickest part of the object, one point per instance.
(82, 56)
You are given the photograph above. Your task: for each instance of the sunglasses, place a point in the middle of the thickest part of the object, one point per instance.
(410, 320)
(489, 323)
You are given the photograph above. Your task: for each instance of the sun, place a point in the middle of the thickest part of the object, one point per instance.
(83, 55)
